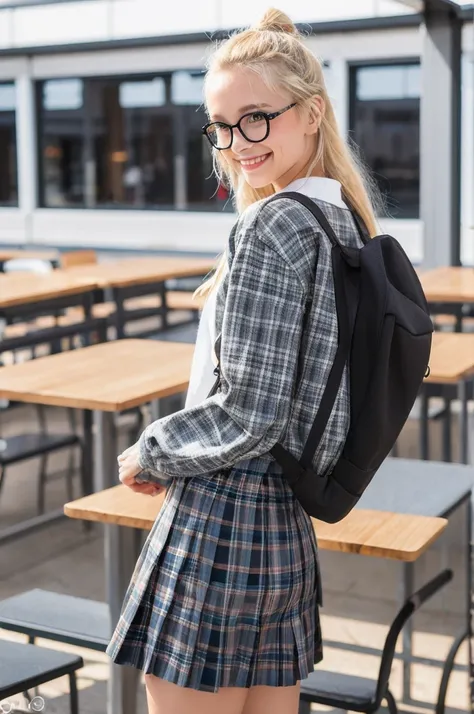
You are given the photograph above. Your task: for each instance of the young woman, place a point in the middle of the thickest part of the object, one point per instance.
(222, 610)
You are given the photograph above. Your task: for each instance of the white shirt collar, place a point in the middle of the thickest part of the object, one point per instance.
(325, 189)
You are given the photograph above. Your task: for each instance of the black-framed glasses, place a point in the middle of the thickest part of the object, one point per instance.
(254, 126)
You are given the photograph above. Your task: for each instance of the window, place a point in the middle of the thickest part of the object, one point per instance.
(126, 142)
(385, 124)
(8, 160)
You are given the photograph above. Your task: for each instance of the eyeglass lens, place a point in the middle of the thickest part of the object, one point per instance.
(254, 128)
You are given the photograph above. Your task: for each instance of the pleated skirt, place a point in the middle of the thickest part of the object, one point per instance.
(226, 590)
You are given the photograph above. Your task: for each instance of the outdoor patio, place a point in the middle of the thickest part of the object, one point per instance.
(360, 595)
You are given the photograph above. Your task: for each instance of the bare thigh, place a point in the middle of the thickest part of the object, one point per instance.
(272, 700)
(167, 698)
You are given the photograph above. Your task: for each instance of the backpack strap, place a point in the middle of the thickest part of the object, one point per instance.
(292, 467)
(289, 463)
(315, 210)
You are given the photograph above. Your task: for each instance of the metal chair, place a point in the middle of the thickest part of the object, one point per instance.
(24, 667)
(351, 693)
(25, 446)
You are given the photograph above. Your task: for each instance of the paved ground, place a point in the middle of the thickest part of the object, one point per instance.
(361, 594)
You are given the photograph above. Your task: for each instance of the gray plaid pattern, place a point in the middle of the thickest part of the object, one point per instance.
(274, 366)
(226, 589)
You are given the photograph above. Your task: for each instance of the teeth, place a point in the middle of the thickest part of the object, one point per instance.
(254, 161)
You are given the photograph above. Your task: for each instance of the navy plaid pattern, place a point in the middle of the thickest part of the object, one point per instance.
(223, 593)
(227, 587)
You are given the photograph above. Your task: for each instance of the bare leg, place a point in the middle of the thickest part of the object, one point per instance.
(165, 698)
(273, 700)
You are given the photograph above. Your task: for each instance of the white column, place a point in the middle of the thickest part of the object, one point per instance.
(467, 159)
(26, 147)
(440, 125)
(337, 82)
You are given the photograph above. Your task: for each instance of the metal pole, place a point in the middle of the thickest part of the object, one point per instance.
(122, 546)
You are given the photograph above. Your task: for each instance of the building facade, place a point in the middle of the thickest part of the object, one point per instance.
(101, 110)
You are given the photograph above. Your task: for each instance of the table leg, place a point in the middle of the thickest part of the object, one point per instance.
(470, 598)
(164, 306)
(463, 422)
(407, 633)
(447, 437)
(122, 546)
(165, 406)
(87, 463)
(424, 426)
(120, 317)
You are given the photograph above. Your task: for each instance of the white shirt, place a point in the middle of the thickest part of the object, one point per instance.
(202, 375)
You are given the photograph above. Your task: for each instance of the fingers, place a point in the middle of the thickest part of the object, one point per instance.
(149, 489)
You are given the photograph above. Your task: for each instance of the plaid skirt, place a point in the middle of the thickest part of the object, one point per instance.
(226, 590)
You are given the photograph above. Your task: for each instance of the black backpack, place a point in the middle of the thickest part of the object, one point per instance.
(385, 335)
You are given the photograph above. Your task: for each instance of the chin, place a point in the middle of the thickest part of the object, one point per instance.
(259, 182)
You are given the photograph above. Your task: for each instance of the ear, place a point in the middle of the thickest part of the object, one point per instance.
(316, 113)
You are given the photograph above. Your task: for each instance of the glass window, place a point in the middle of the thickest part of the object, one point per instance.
(8, 158)
(385, 124)
(61, 112)
(127, 142)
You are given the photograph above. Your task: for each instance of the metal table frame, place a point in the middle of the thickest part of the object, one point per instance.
(122, 316)
(53, 336)
(399, 486)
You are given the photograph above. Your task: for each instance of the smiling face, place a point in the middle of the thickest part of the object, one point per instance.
(289, 147)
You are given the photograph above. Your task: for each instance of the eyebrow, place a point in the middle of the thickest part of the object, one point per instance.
(247, 108)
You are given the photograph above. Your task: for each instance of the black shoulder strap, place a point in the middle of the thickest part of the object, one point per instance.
(286, 460)
(282, 456)
(311, 206)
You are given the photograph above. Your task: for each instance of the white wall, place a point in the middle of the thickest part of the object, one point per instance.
(111, 19)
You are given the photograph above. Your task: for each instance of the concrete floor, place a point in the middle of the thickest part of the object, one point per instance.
(361, 594)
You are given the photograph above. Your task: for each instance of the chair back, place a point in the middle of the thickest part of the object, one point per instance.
(71, 258)
(411, 605)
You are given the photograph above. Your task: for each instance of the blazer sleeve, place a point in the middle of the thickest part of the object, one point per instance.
(261, 334)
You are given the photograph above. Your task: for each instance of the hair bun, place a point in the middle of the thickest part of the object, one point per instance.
(276, 21)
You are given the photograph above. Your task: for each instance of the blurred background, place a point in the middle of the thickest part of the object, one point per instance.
(101, 110)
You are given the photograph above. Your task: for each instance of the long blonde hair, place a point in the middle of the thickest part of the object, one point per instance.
(274, 50)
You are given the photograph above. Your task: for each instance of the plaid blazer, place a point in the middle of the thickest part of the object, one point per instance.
(276, 315)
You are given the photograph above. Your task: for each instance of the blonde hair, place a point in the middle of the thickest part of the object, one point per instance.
(274, 50)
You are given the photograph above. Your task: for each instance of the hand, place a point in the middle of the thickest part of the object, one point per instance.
(129, 470)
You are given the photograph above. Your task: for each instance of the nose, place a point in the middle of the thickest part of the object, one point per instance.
(239, 142)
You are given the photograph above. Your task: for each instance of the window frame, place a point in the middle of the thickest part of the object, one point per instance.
(168, 106)
(354, 65)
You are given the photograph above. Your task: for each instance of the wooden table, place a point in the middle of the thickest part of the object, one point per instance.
(106, 378)
(448, 284)
(26, 297)
(380, 534)
(135, 277)
(137, 271)
(20, 289)
(451, 363)
(448, 290)
(375, 533)
(426, 488)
